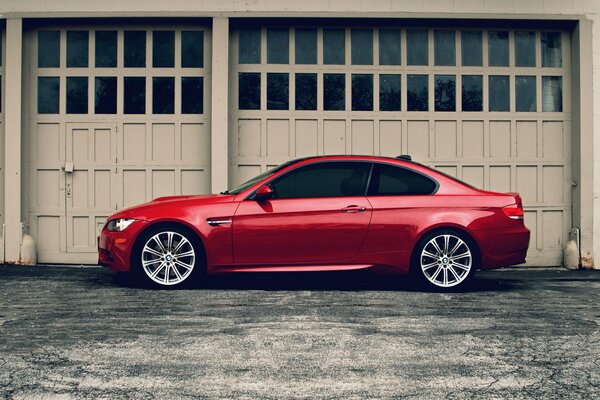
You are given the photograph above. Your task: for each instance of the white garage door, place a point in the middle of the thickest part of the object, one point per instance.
(491, 107)
(118, 116)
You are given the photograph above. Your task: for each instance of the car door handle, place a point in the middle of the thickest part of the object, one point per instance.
(353, 209)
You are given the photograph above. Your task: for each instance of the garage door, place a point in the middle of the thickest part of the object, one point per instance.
(117, 118)
(491, 107)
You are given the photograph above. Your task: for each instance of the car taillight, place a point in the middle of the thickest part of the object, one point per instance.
(514, 211)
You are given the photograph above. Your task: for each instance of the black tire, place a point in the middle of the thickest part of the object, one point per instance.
(168, 257)
(447, 267)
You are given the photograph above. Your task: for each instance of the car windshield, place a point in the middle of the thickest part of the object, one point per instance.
(258, 178)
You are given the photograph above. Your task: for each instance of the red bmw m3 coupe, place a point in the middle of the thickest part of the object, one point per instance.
(328, 213)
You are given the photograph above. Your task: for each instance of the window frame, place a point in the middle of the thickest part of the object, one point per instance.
(371, 188)
(312, 164)
(272, 178)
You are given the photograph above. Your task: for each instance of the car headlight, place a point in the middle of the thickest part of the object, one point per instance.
(120, 224)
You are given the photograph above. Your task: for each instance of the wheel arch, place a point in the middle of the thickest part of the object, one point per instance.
(447, 227)
(154, 225)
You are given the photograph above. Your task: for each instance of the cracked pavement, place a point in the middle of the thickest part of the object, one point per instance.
(89, 333)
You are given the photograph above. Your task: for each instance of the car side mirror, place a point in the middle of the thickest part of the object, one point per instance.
(264, 193)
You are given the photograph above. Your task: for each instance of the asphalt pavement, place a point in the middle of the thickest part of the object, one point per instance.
(88, 333)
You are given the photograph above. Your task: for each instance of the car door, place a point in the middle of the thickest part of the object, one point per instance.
(401, 201)
(318, 213)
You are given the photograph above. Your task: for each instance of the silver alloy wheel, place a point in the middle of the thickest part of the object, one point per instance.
(446, 260)
(168, 258)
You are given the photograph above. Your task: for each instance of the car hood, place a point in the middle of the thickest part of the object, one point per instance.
(140, 210)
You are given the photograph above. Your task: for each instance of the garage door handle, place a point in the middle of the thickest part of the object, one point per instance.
(353, 209)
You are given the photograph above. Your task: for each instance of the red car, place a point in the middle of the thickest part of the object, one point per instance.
(325, 213)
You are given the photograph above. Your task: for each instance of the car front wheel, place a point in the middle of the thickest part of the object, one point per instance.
(446, 260)
(167, 257)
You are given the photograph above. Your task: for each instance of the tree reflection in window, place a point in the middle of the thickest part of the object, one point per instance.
(306, 91)
(334, 92)
(278, 93)
(362, 92)
(249, 91)
(389, 92)
(472, 93)
(445, 93)
(417, 93)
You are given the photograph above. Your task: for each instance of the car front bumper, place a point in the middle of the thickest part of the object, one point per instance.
(114, 248)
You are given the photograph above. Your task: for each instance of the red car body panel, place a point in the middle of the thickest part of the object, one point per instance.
(318, 234)
(299, 230)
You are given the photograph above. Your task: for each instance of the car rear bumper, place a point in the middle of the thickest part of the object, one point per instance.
(114, 248)
(502, 248)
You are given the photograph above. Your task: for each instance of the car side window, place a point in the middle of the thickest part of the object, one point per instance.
(389, 180)
(327, 179)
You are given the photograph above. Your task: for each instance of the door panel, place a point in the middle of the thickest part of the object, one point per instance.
(46, 196)
(299, 230)
(90, 184)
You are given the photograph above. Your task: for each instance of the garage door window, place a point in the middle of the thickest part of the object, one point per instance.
(135, 49)
(445, 93)
(362, 46)
(77, 95)
(499, 93)
(48, 49)
(552, 93)
(48, 94)
(362, 92)
(417, 93)
(306, 92)
(249, 46)
(308, 69)
(471, 49)
(249, 91)
(278, 92)
(498, 49)
(134, 95)
(525, 49)
(334, 92)
(77, 49)
(163, 49)
(306, 46)
(334, 46)
(389, 92)
(106, 49)
(118, 68)
(445, 48)
(417, 47)
(525, 93)
(192, 88)
(472, 93)
(278, 46)
(389, 47)
(192, 49)
(551, 49)
(106, 95)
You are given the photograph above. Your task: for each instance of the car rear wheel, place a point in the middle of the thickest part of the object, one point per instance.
(168, 257)
(446, 260)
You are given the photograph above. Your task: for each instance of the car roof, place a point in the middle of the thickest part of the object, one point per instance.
(402, 159)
